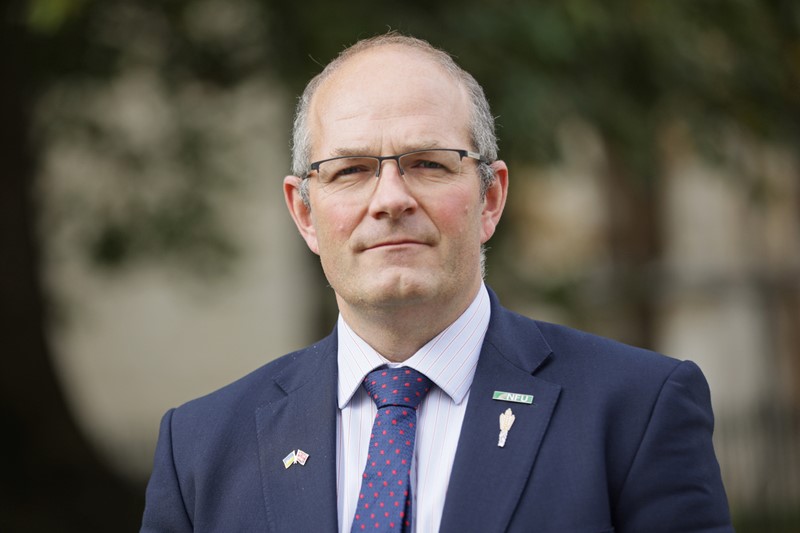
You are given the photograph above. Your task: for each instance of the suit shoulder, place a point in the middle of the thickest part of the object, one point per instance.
(574, 351)
(262, 384)
(204, 432)
(593, 361)
(610, 376)
(564, 338)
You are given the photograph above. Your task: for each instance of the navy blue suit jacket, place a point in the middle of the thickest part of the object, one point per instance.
(617, 439)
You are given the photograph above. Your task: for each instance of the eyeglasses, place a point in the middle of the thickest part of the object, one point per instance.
(420, 166)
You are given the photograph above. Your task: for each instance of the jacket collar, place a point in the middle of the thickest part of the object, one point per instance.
(301, 497)
(514, 349)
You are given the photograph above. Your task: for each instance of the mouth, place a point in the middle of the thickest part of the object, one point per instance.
(395, 243)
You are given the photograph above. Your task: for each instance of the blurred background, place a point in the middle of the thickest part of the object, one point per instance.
(147, 257)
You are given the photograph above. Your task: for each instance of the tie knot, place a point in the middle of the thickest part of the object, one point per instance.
(397, 386)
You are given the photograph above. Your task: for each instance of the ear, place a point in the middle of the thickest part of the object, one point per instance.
(495, 201)
(301, 213)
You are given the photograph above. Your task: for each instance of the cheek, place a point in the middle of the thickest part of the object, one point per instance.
(460, 225)
(334, 223)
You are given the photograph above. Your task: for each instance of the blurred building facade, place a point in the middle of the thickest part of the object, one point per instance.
(725, 286)
(132, 341)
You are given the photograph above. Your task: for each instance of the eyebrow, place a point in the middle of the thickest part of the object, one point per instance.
(351, 152)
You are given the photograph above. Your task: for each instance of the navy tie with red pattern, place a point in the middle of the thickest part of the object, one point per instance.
(384, 503)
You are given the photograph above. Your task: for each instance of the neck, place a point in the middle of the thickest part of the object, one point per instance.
(398, 332)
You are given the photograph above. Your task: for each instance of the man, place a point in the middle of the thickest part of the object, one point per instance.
(519, 425)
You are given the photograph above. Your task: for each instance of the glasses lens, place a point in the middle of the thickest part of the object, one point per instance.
(431, 165)
(347, 170)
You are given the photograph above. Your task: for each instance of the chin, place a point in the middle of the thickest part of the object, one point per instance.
(402, 290)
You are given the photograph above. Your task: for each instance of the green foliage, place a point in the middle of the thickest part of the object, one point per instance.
(627, 67)
(48, 16)
(125, 85)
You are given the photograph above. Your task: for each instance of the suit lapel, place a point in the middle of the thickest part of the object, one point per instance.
(301, 497)
(487, 481)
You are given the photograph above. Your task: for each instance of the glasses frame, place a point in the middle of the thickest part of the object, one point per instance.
(396, 158)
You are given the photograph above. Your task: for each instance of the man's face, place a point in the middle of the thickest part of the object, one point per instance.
(394, 243)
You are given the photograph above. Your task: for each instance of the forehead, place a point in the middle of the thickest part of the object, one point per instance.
(389, 98)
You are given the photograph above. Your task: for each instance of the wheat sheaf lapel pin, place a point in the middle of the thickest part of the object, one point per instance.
(506, 421)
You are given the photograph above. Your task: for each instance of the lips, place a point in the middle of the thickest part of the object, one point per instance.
(393, 242)
(390, 242)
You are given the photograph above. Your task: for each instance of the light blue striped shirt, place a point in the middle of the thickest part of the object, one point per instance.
(449, 360)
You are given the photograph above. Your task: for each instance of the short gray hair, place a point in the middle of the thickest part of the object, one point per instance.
(482, 129)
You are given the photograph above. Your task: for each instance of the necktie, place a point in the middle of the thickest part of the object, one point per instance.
(384, 502)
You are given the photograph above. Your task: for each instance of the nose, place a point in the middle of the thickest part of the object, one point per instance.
(392, 197)
(394, 158)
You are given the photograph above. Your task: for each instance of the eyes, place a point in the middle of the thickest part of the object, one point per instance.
(437, 164)
(353, 169)
(350, 168)
(429, 165)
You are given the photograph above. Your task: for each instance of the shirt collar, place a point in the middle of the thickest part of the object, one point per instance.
(449, 359)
